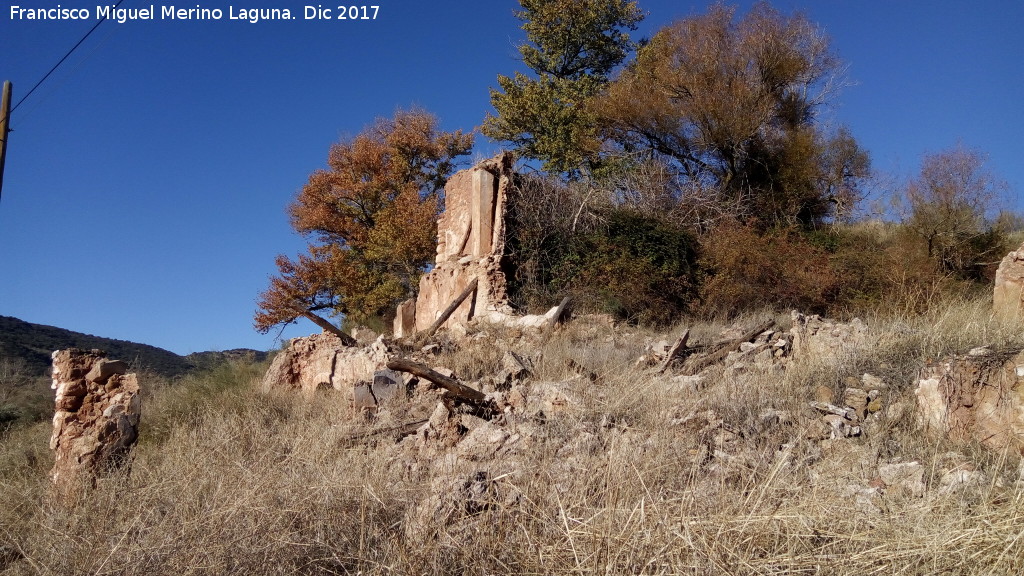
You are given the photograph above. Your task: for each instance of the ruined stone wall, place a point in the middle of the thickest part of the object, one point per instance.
(822, 339)
(1008, 293)
(975, 397)
(96, 421)
(470, 245)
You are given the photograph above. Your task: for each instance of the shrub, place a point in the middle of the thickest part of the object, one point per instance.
(636, 268)
(24, 397)
(885, 268)
(742, 269)
(614, 257)
(539, 226)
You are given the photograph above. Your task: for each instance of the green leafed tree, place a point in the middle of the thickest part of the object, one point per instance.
(572, 46)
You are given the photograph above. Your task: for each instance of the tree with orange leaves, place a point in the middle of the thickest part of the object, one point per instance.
(371, 217)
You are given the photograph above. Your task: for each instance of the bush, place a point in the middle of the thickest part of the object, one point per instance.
(742, 269)
(636, 268)
(539, 227)
(613, 257)
(24, 397)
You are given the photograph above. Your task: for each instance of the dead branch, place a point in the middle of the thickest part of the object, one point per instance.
(719, 353)
(401, 431)
(582, 370)
(345, 338)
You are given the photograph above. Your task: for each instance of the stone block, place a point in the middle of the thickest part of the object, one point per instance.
(322, 361)
(387, 384)
(857, 399)
(103, 369)
(483, 197)
(906, 478)
(362, 397)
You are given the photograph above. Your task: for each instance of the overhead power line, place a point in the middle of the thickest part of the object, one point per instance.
(73, 48)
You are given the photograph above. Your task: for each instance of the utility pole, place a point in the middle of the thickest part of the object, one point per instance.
(5, 117)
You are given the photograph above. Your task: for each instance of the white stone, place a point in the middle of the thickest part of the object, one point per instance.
(908, 476)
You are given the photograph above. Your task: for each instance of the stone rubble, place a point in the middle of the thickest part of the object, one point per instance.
(321, 361)
(811, 338)
(468, 457)
(905, 478)
(820, 339)
(512, 368)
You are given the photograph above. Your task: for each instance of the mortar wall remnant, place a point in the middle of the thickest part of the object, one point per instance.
(96, 417)
(1008, 291)
(470, 246)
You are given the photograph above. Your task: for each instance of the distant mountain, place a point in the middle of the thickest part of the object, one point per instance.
(35, 342)
(206, 359)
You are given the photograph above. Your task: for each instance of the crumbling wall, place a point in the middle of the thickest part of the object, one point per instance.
(975, 397)
(95, 425)
(1008, 293)
(822, 339)
(471, 234)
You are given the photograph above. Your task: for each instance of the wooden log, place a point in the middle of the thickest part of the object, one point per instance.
(470, 288)
(400, 431)
(456, 388)
(345, 338)
(718, 354)
(673, 352)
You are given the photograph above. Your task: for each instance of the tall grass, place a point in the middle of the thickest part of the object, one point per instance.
(628, 480)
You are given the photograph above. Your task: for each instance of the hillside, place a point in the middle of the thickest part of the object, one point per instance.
(34, 343)
(593, 460)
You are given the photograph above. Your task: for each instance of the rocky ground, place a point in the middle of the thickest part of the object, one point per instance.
(774, 444)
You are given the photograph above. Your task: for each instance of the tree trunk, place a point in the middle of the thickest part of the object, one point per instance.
(345, 338)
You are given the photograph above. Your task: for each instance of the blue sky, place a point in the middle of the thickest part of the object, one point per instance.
(147, 180)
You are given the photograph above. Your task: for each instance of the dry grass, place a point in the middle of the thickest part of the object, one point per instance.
(230, 481)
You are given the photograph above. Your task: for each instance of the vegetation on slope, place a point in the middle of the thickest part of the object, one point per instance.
(33, 343)
(25, 350)
(228, 479)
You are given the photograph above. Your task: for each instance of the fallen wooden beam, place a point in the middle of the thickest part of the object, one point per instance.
(718, 354)
(456, 388)
(470, 288)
